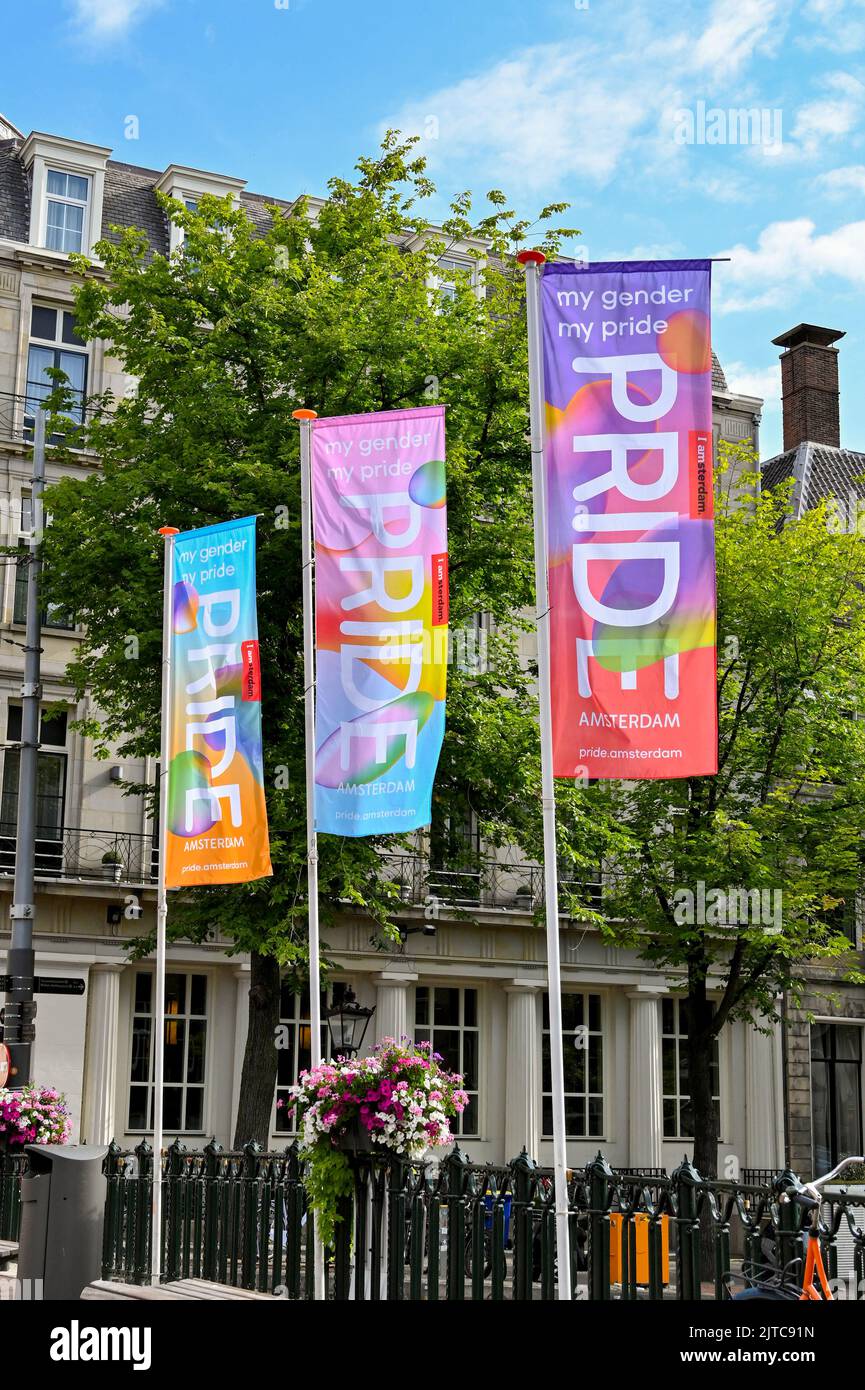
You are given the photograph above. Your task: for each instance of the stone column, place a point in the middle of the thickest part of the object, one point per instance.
(241, 1028)
(391, 1017)
(523, 1079)
(98, 1119)
(761, 1101)
(645, 1106)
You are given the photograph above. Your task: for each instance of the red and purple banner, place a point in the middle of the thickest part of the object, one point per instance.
(381, 613)
(628, 378)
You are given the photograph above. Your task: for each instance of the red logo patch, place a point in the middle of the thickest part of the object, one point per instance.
(250, 685)
(440, 596)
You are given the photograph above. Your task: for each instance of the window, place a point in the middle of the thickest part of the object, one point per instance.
(185, 1022)
(448, 1019)
(454, 850)
(52, 727)
(583, 1042)
(178, 234)
(842, 917)
(154, 833)
(66, 216)
(50, 792)
(53, 338)
(836, 1092)
(451, 272)
(294, 1054)
(54, 615)
(678, 1116)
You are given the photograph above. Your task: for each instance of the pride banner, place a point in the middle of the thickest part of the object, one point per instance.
(628, 376)
(217, 818)
(381, 609)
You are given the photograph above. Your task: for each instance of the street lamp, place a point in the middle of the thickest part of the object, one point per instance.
(347, 1022)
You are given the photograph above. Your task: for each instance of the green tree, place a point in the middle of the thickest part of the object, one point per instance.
(785, 812)
(225, 339)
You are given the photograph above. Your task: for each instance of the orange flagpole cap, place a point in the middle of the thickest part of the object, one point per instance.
(304, 415)
(531, 257)
(169, 531)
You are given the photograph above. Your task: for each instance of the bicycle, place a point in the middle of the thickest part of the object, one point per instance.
(782, 1285)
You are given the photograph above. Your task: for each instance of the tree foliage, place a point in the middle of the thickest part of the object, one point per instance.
(784, 815)
(330, 308)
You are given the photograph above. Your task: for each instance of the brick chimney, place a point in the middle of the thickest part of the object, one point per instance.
(809, 385)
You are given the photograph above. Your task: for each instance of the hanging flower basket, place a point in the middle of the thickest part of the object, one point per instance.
(354, 1139)
(33, 1115)
(399, 1100)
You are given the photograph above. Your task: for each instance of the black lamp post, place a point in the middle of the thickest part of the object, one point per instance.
(347, 1022)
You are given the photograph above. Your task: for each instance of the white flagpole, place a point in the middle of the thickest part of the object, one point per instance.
(168, 532)
(305, 419)
(532, 261)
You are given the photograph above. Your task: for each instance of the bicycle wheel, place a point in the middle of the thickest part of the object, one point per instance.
(488, 1255)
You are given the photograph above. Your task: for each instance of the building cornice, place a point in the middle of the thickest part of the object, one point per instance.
(62, 148)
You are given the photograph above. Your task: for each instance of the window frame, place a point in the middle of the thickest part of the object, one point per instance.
(680, 1038)
(20, 580)
(65, 200)
(297, 1021)
(587, 1093)
(59, 346)
(446, 284)
(830, 1065)
(49, 860)
(185, 1085)
(424, 1032)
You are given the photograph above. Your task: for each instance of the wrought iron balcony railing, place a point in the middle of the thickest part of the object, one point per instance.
(17, 416)
(75, 854)
(489, 884)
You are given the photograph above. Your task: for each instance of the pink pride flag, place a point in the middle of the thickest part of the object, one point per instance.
(381, 615)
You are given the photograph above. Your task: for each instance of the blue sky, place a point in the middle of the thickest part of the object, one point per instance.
(597, 102)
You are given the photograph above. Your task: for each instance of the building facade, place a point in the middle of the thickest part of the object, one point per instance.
(824, 1035)
(469, 972)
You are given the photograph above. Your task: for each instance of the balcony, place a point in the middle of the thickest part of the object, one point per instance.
(490, 884)
(77, 855)
(68, 415)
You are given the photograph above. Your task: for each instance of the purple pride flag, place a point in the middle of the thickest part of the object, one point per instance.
(628, 452)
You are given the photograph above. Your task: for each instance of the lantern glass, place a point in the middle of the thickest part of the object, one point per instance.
(347, 1022)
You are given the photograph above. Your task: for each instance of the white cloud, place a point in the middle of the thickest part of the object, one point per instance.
(109, 19)
(763, 382)
(546, 115)
(586, 108)
(789, 256)
(841, 25)
(838, 182)
(734, 32)
(831, 117)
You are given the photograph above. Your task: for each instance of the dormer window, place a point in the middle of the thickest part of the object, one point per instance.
(188, 186)
(66, 210)
(452, 269)
(67, 182)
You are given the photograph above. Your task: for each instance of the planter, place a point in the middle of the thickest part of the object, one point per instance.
(356, 1139)
(112, 869)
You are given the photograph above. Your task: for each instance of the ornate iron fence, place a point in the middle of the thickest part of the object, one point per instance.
(12, 1168)
(452, 1231)
(489, 883)
(90, 856)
